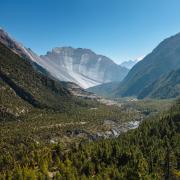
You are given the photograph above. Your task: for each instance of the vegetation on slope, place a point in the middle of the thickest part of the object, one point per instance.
(22, 88)
(104, 89)
(37, 145)
(167, 86)
(163, 59)
(150, 152)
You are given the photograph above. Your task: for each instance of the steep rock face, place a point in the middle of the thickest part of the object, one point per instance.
(162, 60)
(82, 66)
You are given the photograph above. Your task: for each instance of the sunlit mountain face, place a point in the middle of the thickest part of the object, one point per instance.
(82, 66)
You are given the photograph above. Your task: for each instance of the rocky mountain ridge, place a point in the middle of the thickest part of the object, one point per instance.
(82, 66)
(78, 65)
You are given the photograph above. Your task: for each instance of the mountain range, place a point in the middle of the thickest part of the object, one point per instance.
(156, 76)
(81, 66)
(162, 60)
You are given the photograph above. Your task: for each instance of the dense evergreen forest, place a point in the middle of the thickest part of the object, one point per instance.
(150, 152)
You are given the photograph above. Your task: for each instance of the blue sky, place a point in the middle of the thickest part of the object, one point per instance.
(119, 29)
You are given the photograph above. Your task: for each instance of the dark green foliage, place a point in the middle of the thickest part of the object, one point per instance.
(150, 152)
(19, 91)
(22, 86)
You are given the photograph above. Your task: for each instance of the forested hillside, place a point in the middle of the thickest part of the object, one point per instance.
(22, 88)
(162, 60)
(150, 152)
(167, 86)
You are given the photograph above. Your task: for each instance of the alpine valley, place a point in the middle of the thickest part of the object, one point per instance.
(73, 114)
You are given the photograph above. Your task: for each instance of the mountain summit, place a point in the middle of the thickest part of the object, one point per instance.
(82, 66)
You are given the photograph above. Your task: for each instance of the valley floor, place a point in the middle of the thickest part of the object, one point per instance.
(29, 144)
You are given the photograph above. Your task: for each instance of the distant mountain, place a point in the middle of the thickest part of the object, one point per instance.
(82, 66)
(129, 64)
(163, 59)
(104, 89)
(167, 86)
